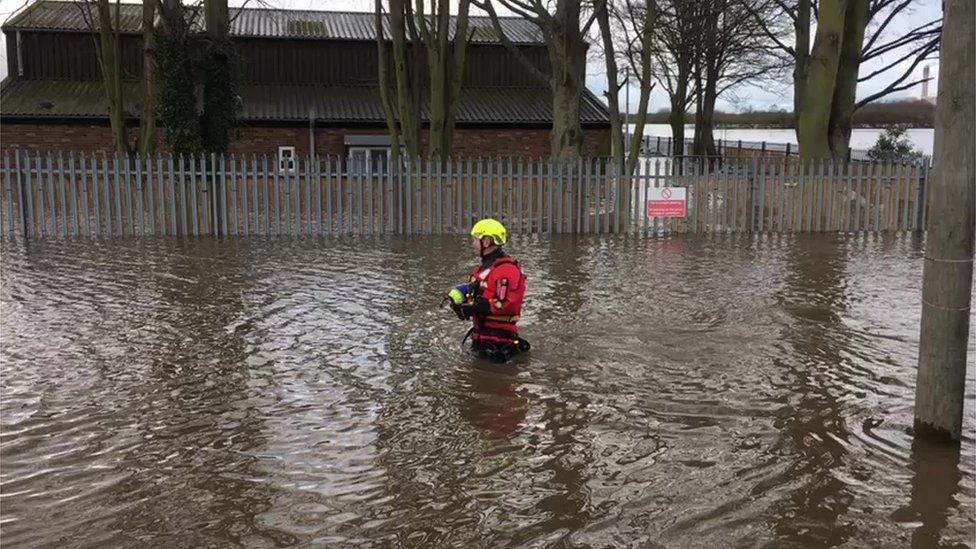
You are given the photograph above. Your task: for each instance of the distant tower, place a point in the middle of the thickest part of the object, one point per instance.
(925, 84)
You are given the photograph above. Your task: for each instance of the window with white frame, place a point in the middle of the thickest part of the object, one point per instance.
(369, 159)
(286, 159)
(368, 153)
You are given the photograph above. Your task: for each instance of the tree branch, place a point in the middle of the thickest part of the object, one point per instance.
(917, 34)
(790, 12)
(765, 30)
(884, 24)
(421, 18)
(919, 53)
(411, 21)
(496, 24)
(877, 6)
(521, 9)
(888, 91)
(588, 23)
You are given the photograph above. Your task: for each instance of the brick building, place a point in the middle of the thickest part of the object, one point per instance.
(309, 81)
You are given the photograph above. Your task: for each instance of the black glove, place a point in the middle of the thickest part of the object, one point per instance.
(463, 311)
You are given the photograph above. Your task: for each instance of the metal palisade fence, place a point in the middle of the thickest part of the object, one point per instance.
(98, 195)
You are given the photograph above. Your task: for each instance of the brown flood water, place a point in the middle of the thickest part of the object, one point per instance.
(680, 393)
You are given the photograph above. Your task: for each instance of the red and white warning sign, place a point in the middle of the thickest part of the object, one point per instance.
(667, 202)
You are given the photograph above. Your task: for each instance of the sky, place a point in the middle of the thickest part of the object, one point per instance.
(745, 97)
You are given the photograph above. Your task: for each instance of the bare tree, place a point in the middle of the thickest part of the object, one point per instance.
(675, 50)
(733, 50)
(630, 39)
(642, 20)
(851, 32)
(103, 21)
(434, 43)
(564, 30)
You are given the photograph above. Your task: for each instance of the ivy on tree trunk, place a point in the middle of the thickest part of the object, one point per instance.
(196, 79)
(219, 78)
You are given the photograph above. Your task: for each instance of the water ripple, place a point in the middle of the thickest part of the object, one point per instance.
(724, 391)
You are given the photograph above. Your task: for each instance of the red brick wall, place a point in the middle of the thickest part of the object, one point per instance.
(55, 137)
(264, 139)
(467, 141)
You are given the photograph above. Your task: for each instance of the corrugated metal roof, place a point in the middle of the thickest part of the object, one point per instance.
(264, 23)
(60, 99)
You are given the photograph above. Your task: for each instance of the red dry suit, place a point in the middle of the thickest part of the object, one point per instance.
(498, 286)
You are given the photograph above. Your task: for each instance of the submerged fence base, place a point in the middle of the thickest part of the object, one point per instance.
(76, 195)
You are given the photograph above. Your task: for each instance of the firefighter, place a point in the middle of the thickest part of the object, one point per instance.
(492, 297)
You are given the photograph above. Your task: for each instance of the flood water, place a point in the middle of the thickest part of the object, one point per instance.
(862, 139)
(680, 392)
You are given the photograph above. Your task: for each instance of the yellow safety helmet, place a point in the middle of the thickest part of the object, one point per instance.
(490, 228)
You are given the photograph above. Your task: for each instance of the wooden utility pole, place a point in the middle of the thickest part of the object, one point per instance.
(948, 275)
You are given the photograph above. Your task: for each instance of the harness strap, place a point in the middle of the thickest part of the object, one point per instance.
(494, 332)
(501, 318)
(466, 336)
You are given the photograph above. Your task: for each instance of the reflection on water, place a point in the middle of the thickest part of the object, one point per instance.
(935, 483)
(272, 393)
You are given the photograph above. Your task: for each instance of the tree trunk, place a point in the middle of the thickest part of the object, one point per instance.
(801, 27)
(406, 91)
(217, 17)
(646, 84)
(436, 45)
(219, 95)
(710, 95)
(456, 74)
(677, 116)
(845, 89)
(814, 122)
(948, 273)
(383, 78)
(567, 134)
(567, 57)
(640, 122)
(445, 68)
(176, 81)
(697, 146)
(110, 64)
(147, 123)
(437, 77)
(613, 87)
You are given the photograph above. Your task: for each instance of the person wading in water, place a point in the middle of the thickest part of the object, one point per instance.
(492, 298)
